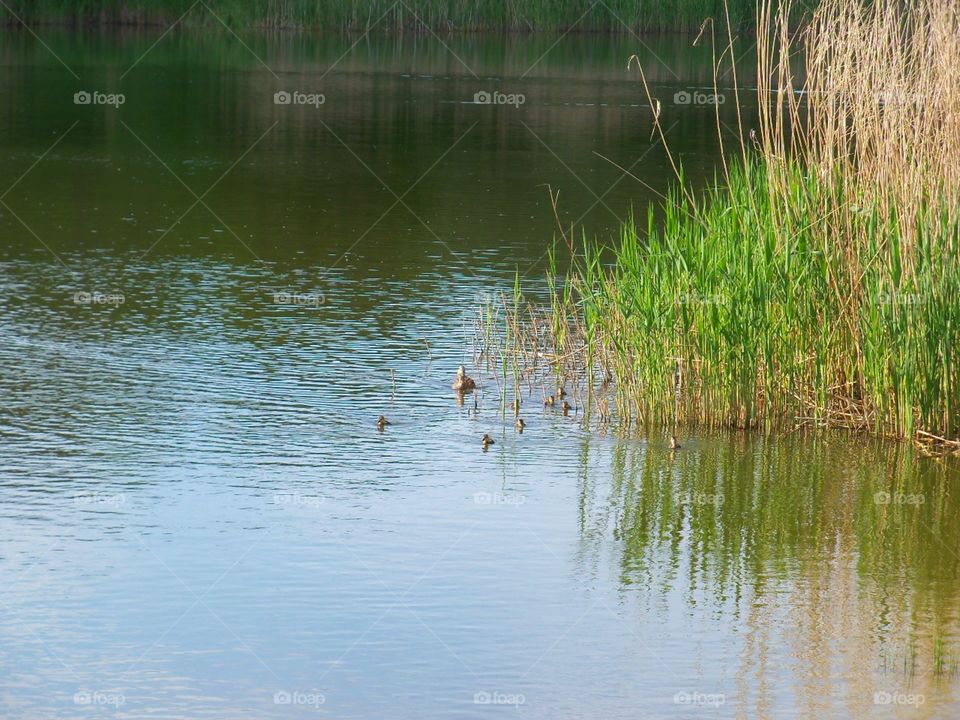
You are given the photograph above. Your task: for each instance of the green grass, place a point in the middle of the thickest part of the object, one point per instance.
(819, 282)
(743, 309)
(610, 16)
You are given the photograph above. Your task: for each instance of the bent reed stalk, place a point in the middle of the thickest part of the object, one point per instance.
(820, 282)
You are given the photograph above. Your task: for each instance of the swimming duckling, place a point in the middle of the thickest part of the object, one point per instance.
(674, 445)
(463, 382)
(567, 407)
(487, 441)
(549, 401)
(382, 422)
(561, 393)
(520, 425)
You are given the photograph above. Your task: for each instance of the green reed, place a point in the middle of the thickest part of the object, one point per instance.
(819, 281)
(738, 310)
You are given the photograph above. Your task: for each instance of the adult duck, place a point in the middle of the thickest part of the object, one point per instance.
(463, 382)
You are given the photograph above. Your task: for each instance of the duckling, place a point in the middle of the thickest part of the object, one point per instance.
(549, 401)
(487, 441)
(382, 422)
(520, 425)
(463, 382)
(674, 445)
(567, 407)
(561, 393)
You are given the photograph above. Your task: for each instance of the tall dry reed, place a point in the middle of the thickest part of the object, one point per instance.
(820, 282)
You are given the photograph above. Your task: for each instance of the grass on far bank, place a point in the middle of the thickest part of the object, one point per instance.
(390, 15)
(819, 282)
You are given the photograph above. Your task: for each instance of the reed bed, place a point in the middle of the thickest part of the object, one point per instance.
(411, 15)
(819, 281)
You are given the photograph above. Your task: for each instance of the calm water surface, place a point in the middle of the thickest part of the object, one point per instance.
(198, 515)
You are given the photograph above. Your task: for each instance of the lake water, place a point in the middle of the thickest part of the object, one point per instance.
(207, 300)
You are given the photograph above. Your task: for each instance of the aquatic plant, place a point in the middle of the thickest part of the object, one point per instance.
(819, 280)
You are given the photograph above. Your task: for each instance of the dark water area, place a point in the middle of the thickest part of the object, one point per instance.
(208, 297)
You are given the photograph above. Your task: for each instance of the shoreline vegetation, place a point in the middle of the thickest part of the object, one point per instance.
(816, 285)
(609, 16)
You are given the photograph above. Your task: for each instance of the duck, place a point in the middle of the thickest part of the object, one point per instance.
(463, 382)
(561, 393)
(674, 445)
(567, 407)
(487, 441)
(382, 422)
(549, 401)
(520, 425)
